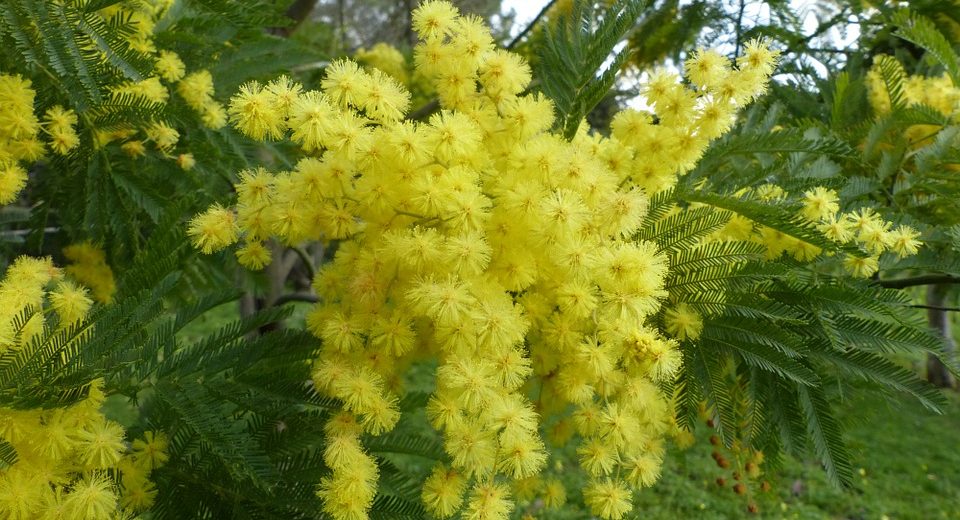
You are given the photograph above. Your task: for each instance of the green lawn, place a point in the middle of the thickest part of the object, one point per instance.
(907, 464)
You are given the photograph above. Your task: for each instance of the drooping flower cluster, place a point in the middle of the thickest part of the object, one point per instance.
(71, 462)
(486, 242)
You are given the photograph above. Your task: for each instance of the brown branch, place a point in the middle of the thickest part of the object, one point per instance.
(298, 11)
(296, 297)
(935, 307)
(914, 281)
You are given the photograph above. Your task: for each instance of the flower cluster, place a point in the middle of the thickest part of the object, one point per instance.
(863, 228)
(488, 243)
(937, 92)
(20, 133)
(88, 265)
(196, 88)
(72, 462)
(21, 128)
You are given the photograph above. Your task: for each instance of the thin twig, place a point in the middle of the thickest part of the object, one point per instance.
(526, 30)
(736, 49)
(926, 279)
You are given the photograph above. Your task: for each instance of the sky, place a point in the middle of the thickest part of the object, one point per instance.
(527, 10)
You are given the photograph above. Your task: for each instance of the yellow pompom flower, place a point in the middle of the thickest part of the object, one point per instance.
(254, 255)
(608, 498)
(70, 302)
(820, 204)
(134, 148)
(151, 450)
(12, 180)
(838, 229)
(683, 322)
(554, 494)
(163, 136)
(488, 501)
(196, 88)
(213, 230)
(903, 241)
(101, 445)
(434, 19)
(186, 161)
(706, 68)
(310, 116)
(254, 112)
(861, 267)
(59, 126)
(93, 498)
(169, 66)
(443, 491)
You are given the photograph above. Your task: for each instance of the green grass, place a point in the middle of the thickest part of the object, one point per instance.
(906, 463)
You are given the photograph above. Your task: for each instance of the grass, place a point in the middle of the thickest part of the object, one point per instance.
(906, 464)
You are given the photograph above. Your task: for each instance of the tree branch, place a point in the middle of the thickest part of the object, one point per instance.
(306, 260)
(926, 279)
(298, 11)
(739, 25)
(296, 297)
(526, 30)
(935, 307)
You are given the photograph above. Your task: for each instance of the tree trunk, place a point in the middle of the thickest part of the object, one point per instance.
(939, 319)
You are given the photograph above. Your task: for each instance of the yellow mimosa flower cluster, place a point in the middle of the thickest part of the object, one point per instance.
(88, 265)
(72, 463)
(20, 130)
(820, 209)
(484, 241)
(937, 92)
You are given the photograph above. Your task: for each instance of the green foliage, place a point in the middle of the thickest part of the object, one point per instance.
(776, 334)
(572, 67)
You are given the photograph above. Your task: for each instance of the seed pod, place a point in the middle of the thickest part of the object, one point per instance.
(752, 508)
(740, 488)
(714, 440)
(721, 481)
